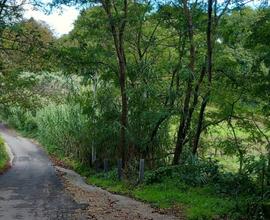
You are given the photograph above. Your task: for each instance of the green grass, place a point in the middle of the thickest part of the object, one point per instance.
(3, 155)
(197, 202)
(109, 184)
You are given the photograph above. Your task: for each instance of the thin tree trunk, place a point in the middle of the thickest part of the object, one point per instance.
(124, 113)
(184, 123)
(199, 127)
(209, 71)
(117, 30)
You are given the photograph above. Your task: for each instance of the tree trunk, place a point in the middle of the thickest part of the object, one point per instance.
(199, 127)
(184, 124)
(117, 30)
(124, 113)
(209, 72)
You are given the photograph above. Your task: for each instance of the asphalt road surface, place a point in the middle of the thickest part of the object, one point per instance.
(31, 189)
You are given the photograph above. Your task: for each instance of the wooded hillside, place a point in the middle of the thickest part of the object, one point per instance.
(184, 85)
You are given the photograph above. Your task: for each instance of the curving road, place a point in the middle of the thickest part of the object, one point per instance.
(31, 190)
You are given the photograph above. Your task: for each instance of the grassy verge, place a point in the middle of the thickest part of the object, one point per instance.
(172, 195)
(196, 202)
(4, 159)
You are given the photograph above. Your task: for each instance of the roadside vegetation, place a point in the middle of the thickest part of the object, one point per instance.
(4, 158)
(183, 85)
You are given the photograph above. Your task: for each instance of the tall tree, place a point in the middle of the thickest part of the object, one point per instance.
(197, 86)
(117, 13)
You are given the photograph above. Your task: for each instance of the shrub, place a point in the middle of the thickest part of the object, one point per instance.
(194, 172)
(3, 154)
(235, 184)
(16, 117)
(20, 119)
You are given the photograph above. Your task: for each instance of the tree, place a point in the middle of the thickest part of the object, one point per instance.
(25, 47)
(117, 13)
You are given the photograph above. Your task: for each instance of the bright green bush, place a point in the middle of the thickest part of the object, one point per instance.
(3, 154)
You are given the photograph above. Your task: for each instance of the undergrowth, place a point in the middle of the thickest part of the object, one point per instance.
(3, 155)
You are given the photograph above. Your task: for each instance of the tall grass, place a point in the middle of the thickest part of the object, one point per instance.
(63, 129)
(20, 118)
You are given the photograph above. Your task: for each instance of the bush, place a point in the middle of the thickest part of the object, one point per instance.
(20, 119)
(16, 117)
(3, 154)
(194, 172)
(235, 184)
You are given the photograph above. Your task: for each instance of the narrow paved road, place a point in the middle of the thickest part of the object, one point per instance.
(31, 190)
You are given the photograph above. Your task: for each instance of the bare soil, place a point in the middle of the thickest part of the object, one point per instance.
(103, 205)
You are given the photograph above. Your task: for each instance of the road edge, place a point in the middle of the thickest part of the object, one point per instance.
(74, 179)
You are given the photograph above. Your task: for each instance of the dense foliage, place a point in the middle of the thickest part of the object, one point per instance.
(4, 158)
(181, 84)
